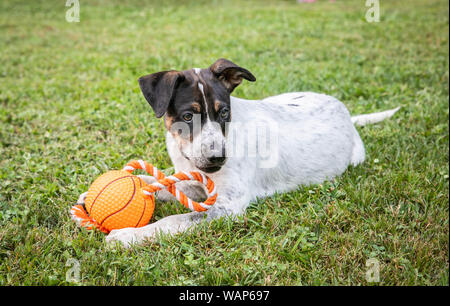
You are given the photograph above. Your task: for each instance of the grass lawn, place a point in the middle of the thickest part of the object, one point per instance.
(71, 109)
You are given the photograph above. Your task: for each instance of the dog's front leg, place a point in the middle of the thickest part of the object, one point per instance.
(226, 205)
(168, 225)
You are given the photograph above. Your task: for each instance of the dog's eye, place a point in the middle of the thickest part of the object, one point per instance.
(187, 117)
(224, 113)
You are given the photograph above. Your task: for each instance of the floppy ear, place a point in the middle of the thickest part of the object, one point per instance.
(159, 89)
(230, 74)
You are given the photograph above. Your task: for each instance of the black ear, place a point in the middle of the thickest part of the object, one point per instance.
(230, 74)
(159, 89)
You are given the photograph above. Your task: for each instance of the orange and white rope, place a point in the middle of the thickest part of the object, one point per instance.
(169, 182)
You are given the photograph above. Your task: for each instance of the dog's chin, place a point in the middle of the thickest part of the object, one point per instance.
(210, 169)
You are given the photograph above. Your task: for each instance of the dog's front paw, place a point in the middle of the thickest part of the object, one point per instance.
(125, 237)
(147, 179)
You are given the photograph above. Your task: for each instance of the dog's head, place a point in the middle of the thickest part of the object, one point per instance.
(196, 108)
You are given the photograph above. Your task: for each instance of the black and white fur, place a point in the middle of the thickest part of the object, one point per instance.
(315, 134)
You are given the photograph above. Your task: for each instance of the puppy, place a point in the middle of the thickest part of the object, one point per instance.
(249, 148)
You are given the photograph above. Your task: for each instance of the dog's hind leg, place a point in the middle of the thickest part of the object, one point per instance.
(358, 153)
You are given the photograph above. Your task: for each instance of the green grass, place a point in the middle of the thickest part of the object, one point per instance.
(70, 109)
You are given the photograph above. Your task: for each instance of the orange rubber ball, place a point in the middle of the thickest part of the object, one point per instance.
(115, 200)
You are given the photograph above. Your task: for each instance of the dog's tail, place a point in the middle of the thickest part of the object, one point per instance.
(373, 117)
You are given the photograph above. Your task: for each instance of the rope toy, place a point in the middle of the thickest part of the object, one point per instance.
(119, 199)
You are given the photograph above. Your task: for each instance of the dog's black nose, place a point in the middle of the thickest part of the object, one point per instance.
(215, 154)
(217, 159)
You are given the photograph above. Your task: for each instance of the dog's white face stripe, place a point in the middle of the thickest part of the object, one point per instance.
(200, 87)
